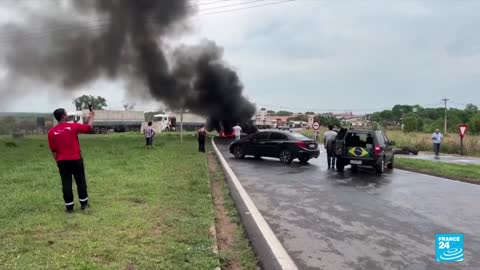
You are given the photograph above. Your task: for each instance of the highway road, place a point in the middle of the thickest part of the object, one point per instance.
(330, 220)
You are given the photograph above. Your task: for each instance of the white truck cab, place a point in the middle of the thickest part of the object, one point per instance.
(160, 122)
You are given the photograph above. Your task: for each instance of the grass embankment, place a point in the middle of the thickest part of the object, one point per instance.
(467, 173)
(423, 142)
(150, 209)
(235, 250)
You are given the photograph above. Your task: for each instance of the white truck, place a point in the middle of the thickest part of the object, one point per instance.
(160, 122)
(107, 120)
(125, 121)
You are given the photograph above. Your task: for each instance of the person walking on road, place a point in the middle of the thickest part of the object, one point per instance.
(149, 132)
(238, 131)
(329, 143)
(202, 135)
(437, 140)
(63, 142)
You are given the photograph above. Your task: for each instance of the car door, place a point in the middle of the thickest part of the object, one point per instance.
(388, 147)
(340, 142)
(381, 141)
(257, 145)
(274, 143)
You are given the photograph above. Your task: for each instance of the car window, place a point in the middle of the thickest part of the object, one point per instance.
(275, 136)
(299, 136)
(386, 138)
(262, 136)
(359, 139)
(380, 138)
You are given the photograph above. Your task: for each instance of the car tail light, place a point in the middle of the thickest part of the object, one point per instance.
(378, 150)
(302, 144)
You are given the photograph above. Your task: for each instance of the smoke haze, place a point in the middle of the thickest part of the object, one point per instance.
(82, 41)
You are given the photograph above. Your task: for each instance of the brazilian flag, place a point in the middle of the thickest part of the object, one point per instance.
(358, 152)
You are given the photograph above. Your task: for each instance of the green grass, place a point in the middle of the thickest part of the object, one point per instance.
(150, 209)
(241, 246)
(454, 171)
(423, 142)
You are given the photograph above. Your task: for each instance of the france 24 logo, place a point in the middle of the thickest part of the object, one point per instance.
(449, 247)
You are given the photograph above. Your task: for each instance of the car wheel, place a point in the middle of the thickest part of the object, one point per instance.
(340, 165)
(381, 167)
(390, 165)
(303, 160)
(238, 152)
(286, 156)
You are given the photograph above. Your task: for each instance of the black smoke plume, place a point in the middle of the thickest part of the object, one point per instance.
(87, 40)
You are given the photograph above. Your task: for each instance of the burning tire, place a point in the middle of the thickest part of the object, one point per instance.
(238, 152)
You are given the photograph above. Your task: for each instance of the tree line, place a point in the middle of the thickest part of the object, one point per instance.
(417, 118)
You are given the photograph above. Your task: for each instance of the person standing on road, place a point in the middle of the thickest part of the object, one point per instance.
(329, 143)
(202, 135)
(149, 132)
(63, 142)
(437, 140)
(238, 131)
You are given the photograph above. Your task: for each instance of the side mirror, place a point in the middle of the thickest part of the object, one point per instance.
(392, 143)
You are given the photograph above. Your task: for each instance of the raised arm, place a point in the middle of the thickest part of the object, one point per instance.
(82, 128)
(90, 121)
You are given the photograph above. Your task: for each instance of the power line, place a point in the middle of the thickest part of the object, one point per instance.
(237, 9)
(445, 100)
(99, 23)
(232, 5)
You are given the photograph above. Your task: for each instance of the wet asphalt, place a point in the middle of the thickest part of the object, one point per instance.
(444, 158)
(328, 220)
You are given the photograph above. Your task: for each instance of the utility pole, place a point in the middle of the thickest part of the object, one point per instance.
(445, 100)
(181, 125)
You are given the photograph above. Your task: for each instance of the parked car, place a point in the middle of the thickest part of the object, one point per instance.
(284, 145)
(364, 147)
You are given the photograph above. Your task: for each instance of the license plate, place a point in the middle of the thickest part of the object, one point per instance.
(312, 146)
(356, 162)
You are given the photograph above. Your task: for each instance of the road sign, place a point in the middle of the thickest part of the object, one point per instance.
(316, 125)
(462, 130)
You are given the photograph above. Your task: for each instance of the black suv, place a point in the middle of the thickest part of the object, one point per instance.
(286, 146)
(363, 147)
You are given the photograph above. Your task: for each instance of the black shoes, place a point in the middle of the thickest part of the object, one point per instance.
(69, 210)
(85, 206)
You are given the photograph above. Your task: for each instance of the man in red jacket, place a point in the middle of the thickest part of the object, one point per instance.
(63, 141)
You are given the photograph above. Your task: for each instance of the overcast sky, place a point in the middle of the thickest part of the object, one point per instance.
(329, 55)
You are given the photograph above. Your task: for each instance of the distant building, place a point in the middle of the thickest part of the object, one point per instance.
(346, 115)
(358, 121)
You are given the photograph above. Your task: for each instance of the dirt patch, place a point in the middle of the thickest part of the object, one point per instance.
(224, 226)
(131, 266)
(137, 201)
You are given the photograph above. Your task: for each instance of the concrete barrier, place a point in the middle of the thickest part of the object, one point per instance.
(270, 251)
